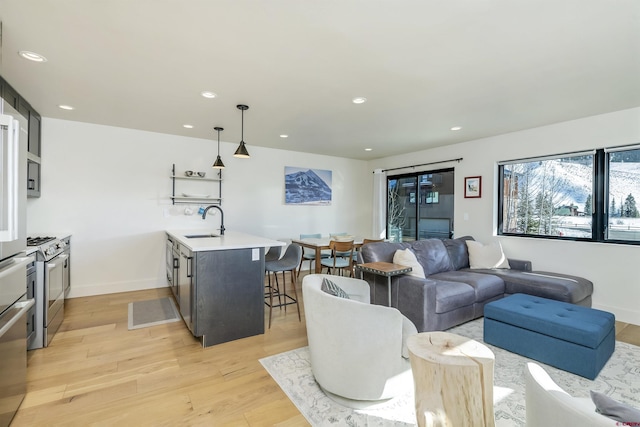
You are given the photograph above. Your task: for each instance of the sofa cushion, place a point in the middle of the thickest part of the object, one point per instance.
(453, 295)
(432, 255)
(458, 252)
(557, 286)
(486, 256)
(408, 258)
(332, 289)
(486, 286)
(380, 251)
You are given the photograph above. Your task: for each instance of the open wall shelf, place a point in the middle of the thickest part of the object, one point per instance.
(196, 193)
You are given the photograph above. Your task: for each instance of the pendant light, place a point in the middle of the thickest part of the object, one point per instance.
(242, 150)
(218, 163)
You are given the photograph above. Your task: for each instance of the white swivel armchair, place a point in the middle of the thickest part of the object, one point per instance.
(548, 405)
(358, 350)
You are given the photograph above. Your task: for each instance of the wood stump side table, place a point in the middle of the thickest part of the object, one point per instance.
(453, 378)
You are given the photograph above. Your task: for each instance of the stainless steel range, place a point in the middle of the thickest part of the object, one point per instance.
(51, 284)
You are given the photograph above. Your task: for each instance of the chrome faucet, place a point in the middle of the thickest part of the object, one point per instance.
(204, 215)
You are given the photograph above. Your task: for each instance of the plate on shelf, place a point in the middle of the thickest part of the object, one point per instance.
(199, 196)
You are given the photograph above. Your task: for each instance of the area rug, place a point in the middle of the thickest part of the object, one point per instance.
(143, 314)
(620, 379)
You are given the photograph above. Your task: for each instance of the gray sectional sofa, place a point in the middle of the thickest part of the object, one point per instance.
(452, 293)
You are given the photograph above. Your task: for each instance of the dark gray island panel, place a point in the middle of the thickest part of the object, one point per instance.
(228, 294)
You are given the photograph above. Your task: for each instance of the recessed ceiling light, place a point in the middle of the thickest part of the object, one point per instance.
(66, 107)
(368, 149)
(284, 136)
(188, 126)
(359, 100)
(456, 128)
(32, 56)
(208, 94)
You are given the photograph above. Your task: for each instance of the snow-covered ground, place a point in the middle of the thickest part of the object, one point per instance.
(580, 226)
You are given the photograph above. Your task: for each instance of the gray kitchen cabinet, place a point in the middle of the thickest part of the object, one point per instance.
(34, 140)
(220, 293)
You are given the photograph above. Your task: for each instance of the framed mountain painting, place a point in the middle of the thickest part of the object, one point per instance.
(304, 186)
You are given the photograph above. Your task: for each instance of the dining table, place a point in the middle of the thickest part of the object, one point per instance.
(320, 244)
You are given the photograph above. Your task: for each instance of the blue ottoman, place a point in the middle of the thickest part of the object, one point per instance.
(570, 337)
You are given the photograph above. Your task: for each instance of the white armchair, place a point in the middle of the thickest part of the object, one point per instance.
(356, 348)
(548, 405)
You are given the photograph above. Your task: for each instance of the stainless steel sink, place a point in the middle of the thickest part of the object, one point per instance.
(200, 236)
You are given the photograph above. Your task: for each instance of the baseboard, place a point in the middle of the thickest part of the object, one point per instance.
(113, 288)
(622, 315)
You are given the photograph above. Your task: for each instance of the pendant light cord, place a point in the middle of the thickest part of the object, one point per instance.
(242, 128)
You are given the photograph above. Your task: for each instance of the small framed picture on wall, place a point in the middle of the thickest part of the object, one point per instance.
(473, 187)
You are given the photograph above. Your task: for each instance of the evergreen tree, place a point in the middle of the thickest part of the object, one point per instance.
(612, 209)
(629, 208)
(587, 206)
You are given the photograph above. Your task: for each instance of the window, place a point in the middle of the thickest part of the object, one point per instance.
(623, 193)
(579, 196)
(420, 206)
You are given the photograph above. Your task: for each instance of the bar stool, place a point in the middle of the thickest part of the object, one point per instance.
(289, 262)
(273, 254)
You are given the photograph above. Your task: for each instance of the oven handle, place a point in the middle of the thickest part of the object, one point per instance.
(23, 306)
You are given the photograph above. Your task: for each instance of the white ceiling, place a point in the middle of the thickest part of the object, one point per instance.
(490, 66)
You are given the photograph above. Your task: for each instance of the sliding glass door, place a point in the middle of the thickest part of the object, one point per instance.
(420, 206)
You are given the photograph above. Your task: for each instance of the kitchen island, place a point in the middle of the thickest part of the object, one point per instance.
(218, 282)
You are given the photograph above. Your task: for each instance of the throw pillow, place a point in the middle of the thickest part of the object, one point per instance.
(331, 288)
(408, 258)
(486, 256)
(615, 410)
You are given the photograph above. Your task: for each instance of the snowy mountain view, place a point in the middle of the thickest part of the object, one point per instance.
(554, 197)
(307, 186)
(624, 179)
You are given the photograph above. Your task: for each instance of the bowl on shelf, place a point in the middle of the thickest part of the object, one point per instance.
(188, 173)
(201, 174)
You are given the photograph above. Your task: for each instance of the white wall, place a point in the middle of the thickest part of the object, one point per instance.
(109, 187)
(612, 268)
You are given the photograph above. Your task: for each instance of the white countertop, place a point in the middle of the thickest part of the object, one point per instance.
(31, 250)
(230, 240)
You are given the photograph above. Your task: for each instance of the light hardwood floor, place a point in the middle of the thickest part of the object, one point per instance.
(96, 372)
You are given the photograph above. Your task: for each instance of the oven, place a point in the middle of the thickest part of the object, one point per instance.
(52, 280)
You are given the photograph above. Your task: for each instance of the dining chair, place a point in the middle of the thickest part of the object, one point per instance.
(310, 255)
(341, 257)
(338, 235)
(288, 262)
(365, 241)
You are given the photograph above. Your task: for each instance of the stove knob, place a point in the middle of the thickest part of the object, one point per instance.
(62, 244)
